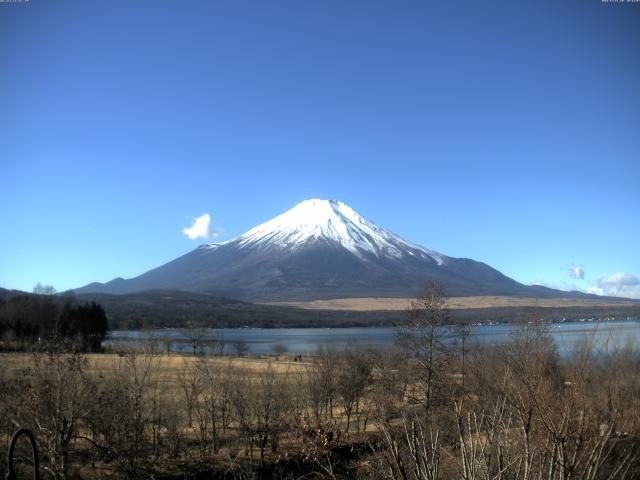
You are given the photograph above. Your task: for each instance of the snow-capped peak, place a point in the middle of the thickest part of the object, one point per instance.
(334, 221)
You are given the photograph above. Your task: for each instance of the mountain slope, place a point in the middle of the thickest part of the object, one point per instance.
(317, 250)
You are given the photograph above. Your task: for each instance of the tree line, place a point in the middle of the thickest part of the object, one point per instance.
(30, 319)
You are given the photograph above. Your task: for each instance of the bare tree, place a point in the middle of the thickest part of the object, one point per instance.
(189, 382)
(322, 379)
(241, 347)
(317, 385)
(158, 408)
(217, 344)
(279, 349)
(58, 399)
(543, 417)
(213, 401)
(41, 289)
(413, 453)
(167, 341)
(354, 375)
(389, 387)
(196, 335)
(421, 335)
(172, 422)
(262, 410)
(119, 427)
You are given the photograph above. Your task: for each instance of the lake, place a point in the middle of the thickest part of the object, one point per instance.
(309, 340)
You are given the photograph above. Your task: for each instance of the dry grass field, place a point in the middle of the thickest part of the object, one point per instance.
(169, 366)
(267, 394)
(455, 303)
(168, 379)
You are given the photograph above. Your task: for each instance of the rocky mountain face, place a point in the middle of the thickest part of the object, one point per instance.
(319, 249)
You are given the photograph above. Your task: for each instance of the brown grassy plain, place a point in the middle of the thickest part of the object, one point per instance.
(168, 372)
(454, 303)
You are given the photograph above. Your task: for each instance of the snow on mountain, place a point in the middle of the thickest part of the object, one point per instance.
(320, 249)
(330, 220)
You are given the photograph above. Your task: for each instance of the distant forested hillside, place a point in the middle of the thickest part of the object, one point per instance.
(165, 308)
(174, 309)
(30, 318)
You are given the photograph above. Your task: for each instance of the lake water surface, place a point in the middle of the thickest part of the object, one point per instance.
(606, 334)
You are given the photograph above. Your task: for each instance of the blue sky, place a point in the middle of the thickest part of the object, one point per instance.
(507, 132)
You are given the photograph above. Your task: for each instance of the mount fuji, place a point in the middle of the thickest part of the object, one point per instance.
(320, 249)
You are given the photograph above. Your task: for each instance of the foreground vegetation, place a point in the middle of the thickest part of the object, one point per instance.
(423, 410)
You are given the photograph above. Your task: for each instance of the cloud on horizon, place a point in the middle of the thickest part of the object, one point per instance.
(201, 228)
(577, 273)
(618, 281)
(623, 285)
(618, 284)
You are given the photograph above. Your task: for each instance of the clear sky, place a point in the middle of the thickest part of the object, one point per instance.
(507, 132)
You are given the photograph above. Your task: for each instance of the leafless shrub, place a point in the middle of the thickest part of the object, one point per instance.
(390, 382)
(319, 383)
(413, 450)
(52, 397)
(354, 374)
(212, 401)
(422, 337)
(262, 410)
(319, 442)
(119, 429)
(196, 336)
(240, 347)
(190, 387)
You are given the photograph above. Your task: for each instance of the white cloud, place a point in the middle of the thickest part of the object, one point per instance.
(622, 285)
(618, 284)
(201, 228)
(618, 280)
(577, 273)
(631, 292)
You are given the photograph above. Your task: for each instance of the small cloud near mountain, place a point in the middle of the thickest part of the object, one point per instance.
(201, 228)
(577, 273)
